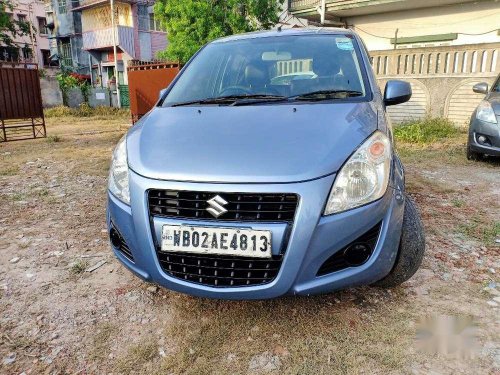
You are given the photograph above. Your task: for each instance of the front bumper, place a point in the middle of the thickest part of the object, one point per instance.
(490, 130)
(313, 239)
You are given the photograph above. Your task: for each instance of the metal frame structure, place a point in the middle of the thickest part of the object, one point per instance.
(21, 109)
(145, 80)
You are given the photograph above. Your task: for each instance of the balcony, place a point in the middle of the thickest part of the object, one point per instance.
(103, 39)
(87, 4)
(349, 8)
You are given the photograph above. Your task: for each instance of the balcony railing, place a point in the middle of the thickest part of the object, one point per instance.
(361, 5)
(301, 4)
(78, 5)
(337, 4)
(103, 38)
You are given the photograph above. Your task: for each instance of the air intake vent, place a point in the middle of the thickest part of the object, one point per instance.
(119, 243)
(353, 255)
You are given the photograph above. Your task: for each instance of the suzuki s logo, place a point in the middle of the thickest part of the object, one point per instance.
(217, 204)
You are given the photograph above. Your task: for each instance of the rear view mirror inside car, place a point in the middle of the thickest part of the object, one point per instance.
(276, 56)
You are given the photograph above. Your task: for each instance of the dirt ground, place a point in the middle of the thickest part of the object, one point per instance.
(57, 317)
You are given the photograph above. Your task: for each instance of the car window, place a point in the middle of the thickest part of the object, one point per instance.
(285, 66)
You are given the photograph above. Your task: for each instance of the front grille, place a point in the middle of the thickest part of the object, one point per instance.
(220, 271)
(338, 262)
(240, 207)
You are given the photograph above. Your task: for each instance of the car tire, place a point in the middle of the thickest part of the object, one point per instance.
(473, 155)
(411, 248)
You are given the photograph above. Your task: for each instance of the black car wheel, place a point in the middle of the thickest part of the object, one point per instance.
(411, 248)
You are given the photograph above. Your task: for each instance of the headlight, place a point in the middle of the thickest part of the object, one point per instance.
(485, 112)
(118, 173)
(364, 177)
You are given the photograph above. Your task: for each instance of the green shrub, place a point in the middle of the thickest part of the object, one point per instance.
(59, 111)
(84, 110)
(54, 139)
(426, 131)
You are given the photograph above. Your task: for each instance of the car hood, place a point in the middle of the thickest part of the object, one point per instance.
(248, 144)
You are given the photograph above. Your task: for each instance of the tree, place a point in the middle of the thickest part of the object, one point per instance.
(192, 23)
(10, 28)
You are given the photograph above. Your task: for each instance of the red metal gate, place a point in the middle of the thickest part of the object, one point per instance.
(145, 80)
(21, 110)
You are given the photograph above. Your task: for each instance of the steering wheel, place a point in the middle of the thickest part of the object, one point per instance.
(235, 90)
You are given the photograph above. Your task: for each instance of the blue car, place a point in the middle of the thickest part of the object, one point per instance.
(235, 187)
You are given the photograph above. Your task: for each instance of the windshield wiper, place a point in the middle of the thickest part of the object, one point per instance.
(258, 98)
(327, 95)
(233, 100)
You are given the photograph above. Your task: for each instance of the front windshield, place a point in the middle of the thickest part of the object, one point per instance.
(284, 66)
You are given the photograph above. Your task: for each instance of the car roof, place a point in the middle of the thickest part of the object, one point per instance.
(286, 32)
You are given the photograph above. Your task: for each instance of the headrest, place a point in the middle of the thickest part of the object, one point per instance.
(256, 76)
(325, 66)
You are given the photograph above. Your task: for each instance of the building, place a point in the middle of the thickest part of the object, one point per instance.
(389, 24)
(137, 34)
(65, 35)
(33, 47)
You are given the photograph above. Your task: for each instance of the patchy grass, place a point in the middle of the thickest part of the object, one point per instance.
(324, 339)
(137, 356)
(419, 184)
(54, 139)
(101, 342)
(84, 110)
(478, 229)
(458, 203)
(18, 197)
(79, 267)
(426, 131)
(9, 170)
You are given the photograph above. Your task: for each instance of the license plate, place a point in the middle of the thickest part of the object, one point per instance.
(217, 241)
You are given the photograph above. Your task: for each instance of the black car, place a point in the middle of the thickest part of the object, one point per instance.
(484, 128)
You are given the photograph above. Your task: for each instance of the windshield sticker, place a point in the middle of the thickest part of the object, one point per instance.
(344, 44)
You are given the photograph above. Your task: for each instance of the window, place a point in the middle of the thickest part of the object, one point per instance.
(9, 54)
(151, 21)
(27, 53)
(21, 17)
(66, 58)
(147, 19)
(287, 66)
(61, 6)
(154, 23)
(45, 57)
(143, 17)
(42, 25)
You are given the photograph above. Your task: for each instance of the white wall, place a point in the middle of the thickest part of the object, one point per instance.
(469, 18)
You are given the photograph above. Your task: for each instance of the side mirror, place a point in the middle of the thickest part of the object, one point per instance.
(480, 88)
(397, 92)
(162, 92)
